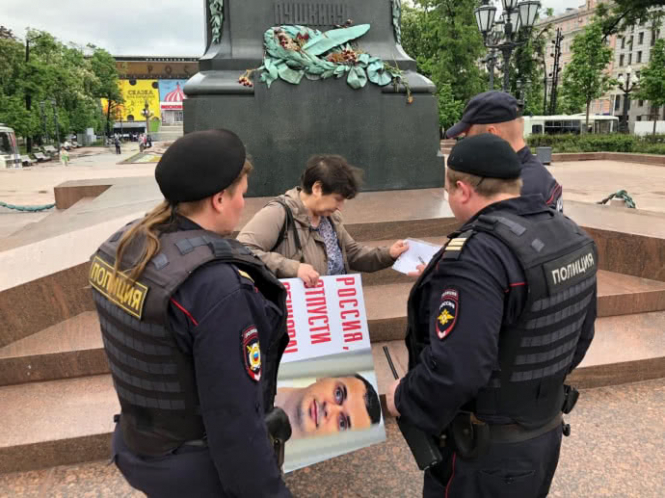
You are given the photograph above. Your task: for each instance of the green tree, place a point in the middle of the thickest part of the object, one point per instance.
(652, 81)
(103, 66)
(585, 77)
(443, 38)
(41, 78)
(619, 15)
(450, 108)
(528, 66)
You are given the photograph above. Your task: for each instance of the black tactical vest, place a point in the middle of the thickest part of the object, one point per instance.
(154, 379)
(560, 262)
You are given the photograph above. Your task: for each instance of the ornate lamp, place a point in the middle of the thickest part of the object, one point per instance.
(528, 12)
(485, 15)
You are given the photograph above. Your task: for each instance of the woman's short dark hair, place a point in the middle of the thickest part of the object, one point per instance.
(335, 174)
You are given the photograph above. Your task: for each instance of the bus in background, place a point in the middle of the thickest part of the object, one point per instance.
(556, 125)
(9, 153)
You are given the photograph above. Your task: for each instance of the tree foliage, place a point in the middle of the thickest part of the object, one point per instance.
(585, 77)
(615, 17)
(443, 38)
(652, 80)
(40, 77)
(528, 69)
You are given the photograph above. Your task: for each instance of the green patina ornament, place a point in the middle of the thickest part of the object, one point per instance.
(216, 19)
(397, 20)
(293, 52)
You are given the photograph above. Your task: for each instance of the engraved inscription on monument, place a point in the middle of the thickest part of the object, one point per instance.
(310, 14)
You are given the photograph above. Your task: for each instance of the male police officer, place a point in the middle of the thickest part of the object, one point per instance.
(496, 321)
(498, 113)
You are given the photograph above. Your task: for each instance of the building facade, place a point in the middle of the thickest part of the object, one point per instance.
(630, 49)
(633, 51)
(151, 86)
(572, 23)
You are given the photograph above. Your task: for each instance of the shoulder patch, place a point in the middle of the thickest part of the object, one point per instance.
(245, 275)
(454, 246)
(446, 318)
(251, 352)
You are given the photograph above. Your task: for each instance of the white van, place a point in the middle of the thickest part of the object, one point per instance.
(9, 153)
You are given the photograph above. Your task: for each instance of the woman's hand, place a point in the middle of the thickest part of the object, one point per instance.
(398, 248)
(308, 274)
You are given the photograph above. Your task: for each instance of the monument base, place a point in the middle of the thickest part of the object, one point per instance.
(395, 143)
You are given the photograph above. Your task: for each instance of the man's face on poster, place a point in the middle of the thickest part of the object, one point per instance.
(330, 406)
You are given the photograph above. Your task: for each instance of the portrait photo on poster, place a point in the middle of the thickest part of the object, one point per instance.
(326, 383)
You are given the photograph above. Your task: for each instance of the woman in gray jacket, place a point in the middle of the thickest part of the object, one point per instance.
(301, 233)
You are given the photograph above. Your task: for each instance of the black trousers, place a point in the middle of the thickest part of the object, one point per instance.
(188, 471)
(510, 470)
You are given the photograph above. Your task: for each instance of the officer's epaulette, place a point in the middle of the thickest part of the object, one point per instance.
(244, 274)
(454, 247)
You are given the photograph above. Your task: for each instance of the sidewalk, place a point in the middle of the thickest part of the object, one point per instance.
(592, 181)
(34, 185)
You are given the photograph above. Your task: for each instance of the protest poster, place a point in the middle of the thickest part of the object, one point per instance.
(326, 382)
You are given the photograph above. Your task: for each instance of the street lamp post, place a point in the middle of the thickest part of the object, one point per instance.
(490, 61)
(504, 34)
(523, 87)
(627, 85)
(55, 119)
(41, 110)
(494, 38)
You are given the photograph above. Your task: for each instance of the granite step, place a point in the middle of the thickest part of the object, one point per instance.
(69, 421)
(56, 423)
(617, 295)
(30, 279)
(73, 348)
(628, 348)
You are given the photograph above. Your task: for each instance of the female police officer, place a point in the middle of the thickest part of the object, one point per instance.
(193, 327)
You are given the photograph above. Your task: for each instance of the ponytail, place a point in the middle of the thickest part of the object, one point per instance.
(146, 228)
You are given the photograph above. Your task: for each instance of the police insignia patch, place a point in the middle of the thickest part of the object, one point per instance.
(251, 352)
(448, 311)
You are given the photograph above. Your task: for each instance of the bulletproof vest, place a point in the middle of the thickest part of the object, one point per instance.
(154, 379)
(535, 353)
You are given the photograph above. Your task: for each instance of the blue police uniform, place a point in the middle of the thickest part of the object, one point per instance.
(194, 381)
(495, 107)
(490, 341)
(538, 180)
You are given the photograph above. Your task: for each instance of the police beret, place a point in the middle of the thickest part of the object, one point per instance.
(199, 165)
(486, 108)
(485, 155)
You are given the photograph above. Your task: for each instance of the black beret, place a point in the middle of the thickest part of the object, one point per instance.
(485, 155)
(199, 165)
(486, 108)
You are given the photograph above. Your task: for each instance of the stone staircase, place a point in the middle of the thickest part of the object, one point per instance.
(447, 144)
(57, 398)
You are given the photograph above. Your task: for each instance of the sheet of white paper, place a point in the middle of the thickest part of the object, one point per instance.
(419, 253)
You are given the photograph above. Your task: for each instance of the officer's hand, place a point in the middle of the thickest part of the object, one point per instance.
(419, 271)
(390, 399)
(398, 248)
(308, 274)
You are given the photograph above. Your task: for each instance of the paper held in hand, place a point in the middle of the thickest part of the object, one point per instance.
(419, 253)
